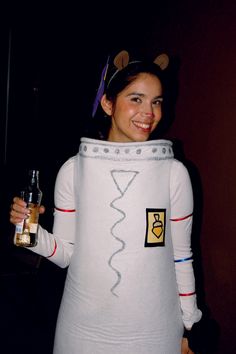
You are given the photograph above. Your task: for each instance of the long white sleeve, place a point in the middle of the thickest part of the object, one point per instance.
(181, 227)
(58, 246)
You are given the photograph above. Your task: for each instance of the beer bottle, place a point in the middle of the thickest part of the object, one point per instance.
(26, 231)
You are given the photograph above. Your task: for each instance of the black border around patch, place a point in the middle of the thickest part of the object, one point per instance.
(158, 243)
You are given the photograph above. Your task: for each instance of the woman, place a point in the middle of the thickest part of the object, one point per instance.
(122, 223)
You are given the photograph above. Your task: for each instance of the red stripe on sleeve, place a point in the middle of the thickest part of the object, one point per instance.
(183, 218)
(66, 210)
(188, 294)
(54, 251)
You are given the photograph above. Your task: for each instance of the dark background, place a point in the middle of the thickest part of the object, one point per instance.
(50, 64)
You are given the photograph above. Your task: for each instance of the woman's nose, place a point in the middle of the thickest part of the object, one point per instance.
(148, 113)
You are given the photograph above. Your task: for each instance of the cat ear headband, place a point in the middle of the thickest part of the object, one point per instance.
(120, 61)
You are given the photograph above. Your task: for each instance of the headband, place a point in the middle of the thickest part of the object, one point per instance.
(121, 61)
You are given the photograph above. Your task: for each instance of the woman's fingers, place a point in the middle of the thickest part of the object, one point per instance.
(41, 209)
(19, 210)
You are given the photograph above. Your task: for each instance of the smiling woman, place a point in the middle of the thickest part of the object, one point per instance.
(126, 85)
(136, 111)
(122, 226)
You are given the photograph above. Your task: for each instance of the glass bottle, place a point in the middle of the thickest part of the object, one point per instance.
(26, 231)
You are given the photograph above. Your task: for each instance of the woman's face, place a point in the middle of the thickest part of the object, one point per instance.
(137, 110)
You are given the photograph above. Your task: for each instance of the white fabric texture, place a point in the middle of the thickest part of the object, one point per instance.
(124, 217)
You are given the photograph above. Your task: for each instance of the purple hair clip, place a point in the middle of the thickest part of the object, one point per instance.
(101, 88)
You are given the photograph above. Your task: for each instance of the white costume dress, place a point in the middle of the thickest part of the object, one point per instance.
(122, 223)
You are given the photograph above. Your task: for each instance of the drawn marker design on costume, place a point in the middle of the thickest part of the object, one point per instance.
(122, 180)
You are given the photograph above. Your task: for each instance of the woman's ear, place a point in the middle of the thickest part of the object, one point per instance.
(106, 105)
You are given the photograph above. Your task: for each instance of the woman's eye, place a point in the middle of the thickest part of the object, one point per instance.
(158, 102)
(136, 99)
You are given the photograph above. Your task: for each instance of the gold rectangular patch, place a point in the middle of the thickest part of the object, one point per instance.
(155, 227)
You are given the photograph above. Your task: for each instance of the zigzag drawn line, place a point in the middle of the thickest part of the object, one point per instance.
(118, 239)
(123, 244)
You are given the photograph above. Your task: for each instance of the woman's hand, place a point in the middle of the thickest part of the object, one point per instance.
(19, 210)
(185, 348)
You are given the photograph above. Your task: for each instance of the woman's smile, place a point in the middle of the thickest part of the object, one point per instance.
(146, 127)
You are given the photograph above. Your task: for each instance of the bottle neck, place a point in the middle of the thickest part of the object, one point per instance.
(34, 178)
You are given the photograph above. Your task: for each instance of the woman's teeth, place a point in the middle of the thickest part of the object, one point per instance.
(142, 125)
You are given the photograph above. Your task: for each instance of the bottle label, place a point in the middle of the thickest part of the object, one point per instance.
(19, 227)
(25, 232)
(22, 240)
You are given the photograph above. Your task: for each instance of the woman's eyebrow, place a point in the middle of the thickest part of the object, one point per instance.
(135, 93)
(142, 95)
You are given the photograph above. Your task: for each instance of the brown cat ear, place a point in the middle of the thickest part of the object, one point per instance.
(162, 61)
(121, 60)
